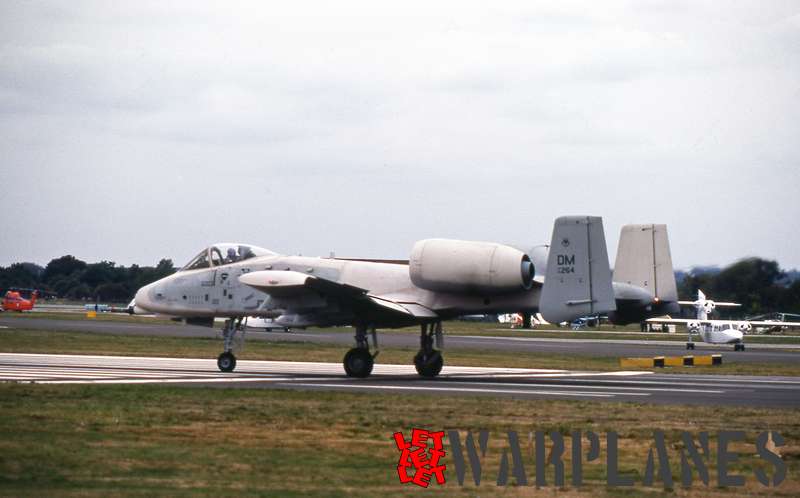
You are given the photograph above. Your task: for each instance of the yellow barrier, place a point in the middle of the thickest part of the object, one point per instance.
(714, 359)
(671, 361)
(675, 361)
(91, 314)
(636, 362)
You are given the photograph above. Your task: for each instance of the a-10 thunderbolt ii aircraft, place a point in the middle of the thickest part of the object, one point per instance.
(442, 279)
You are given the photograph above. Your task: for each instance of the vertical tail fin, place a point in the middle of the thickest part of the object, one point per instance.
(578, 279)
(644, 260)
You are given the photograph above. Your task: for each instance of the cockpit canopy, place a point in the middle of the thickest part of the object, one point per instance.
(225, 253)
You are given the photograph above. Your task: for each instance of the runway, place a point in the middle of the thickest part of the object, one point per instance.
(454, 380)
(582, 347)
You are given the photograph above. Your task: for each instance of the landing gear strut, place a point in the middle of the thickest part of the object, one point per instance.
(358, 362)
(227, 361)
(739, 346)
(429, 361)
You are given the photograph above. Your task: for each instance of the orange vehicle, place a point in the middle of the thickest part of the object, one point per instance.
(13, 301)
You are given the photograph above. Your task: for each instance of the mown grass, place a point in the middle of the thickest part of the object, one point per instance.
(79, 316)
(62, 342)
(168, 441)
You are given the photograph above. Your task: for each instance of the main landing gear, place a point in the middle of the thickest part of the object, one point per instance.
(429, 361)
(358, 362)
(227, 361)
(739, 346)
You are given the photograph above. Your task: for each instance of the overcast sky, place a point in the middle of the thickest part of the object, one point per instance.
(131, 131)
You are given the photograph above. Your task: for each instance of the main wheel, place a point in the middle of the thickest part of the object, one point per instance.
(689, 345)
(429, 365)
(226, 362)
(358, 363)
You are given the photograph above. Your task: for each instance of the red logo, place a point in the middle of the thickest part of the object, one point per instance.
(417, 455)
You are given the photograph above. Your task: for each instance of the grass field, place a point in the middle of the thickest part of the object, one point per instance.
(153, 440)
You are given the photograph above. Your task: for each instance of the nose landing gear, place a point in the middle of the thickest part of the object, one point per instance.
(226, 361)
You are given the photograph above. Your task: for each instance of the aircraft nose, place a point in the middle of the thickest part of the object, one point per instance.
(142, 299)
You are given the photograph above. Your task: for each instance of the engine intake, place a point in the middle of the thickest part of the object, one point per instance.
(466, 267)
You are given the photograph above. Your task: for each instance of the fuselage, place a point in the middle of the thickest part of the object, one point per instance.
(13, 301)
(210, 286)
(725, 333)
(217, 291)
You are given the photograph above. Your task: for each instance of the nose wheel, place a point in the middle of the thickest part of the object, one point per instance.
(738, 347)
(226, 362)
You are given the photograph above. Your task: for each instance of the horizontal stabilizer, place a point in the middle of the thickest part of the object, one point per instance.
(578, 278)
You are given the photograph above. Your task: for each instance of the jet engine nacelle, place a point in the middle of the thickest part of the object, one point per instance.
(694, 327)
(466, 267)
(745, 327)
(709, 306)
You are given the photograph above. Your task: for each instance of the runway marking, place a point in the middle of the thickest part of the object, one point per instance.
(466, 389)
(564, 374)
(456, 380)
(165, 381)
(756, 381)
(576, 386)
(192, 365)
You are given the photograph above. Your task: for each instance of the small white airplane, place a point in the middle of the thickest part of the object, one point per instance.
(717, 331)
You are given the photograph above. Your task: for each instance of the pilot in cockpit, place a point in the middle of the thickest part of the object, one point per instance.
(232, 257)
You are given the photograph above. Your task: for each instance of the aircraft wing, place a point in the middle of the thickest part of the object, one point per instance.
(294, 283)
(754, 323)
(767, 323)
(717, 303)
(288, 284)
(684, 321)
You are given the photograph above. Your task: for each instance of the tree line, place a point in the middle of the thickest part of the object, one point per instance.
(70, 278)
(758, 284)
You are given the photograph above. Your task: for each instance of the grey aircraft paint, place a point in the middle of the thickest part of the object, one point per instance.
(443, 279)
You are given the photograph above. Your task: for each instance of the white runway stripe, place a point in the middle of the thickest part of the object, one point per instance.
(166, 381)
(469, 389)
(93, 369)
(262, 367)
(579, 386)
